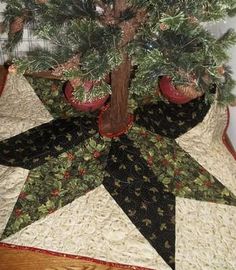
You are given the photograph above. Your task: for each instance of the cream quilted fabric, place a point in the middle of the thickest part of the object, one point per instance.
(20, 110)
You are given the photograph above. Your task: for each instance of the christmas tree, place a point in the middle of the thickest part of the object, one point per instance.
(133, 43)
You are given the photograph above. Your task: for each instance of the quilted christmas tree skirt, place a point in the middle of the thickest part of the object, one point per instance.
(162, 196)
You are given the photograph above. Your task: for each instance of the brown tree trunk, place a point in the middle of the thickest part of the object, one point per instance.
(115, 119)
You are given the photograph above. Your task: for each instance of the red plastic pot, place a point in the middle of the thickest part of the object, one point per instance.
(169, 91)
(83, 106)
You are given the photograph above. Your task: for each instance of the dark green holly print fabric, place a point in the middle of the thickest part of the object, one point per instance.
(172, 120)
(50, 92)
(35, 146)
(58, 182)
(142, 197)
(177, 170)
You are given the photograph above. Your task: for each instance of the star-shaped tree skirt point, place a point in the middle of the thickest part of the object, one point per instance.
(144, 170)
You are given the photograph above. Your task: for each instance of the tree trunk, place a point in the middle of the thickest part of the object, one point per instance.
(115, 119)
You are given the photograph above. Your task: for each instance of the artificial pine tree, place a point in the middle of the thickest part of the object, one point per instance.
(135, 41)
